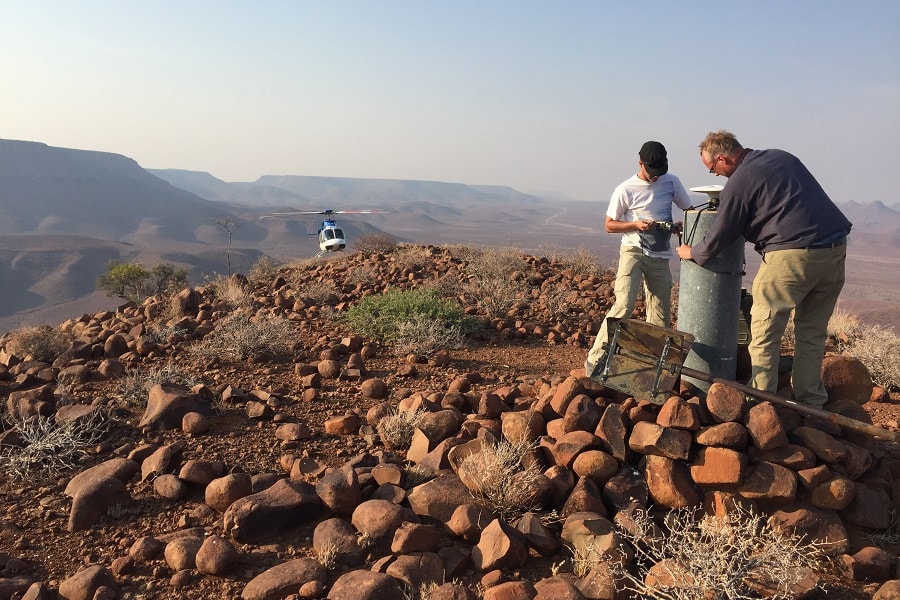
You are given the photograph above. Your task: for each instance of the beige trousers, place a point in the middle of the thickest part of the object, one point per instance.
(634, 269)
(807, 283)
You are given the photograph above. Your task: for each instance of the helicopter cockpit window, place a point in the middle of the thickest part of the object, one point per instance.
(328, 234)
(339, 233)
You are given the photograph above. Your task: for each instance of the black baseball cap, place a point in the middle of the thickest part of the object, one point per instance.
(653, 155)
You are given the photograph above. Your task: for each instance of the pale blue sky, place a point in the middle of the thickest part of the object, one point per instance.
(538, 95)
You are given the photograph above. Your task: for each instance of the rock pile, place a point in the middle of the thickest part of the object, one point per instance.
(390, 520)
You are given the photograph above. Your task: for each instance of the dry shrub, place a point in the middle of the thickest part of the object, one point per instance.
(362, 274)
(495, 282)
(843, 325)
(717, 557)
(423, 334)
(162, 333)
(497, 478)
(460, 252)
(50, 448)
(495, 263)
(448, 285)
(556, 301)
(135, 386)
(264, 269)
(322, 292)
(495, 297)
(42, 342)
(230, 291)
(877, 347)
(237, 338)
(396, 429)
(412, 257)
(581, 261)
(376, 243)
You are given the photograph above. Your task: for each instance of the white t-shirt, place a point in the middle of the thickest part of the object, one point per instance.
(636, 200)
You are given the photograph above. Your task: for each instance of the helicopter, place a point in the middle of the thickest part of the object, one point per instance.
(331, 236)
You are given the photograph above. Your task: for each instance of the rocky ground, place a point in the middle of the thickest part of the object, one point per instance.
(228, 489)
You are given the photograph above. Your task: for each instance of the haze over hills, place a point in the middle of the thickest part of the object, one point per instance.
(64, 214)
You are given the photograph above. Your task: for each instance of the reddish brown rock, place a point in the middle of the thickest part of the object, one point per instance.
(725, 403)
(846, 378)
(286, 578)
(714, 465)
(500, 547)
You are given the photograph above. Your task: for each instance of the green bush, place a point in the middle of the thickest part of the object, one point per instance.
(383, 317)
(133, 281)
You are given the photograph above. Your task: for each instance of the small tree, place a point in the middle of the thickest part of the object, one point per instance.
(125, 280)
(133, 281)
(164, 277)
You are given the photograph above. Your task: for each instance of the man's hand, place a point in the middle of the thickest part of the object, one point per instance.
(684, 252)
(644, 225)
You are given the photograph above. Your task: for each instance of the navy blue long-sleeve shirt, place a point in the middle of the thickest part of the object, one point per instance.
(774, 202)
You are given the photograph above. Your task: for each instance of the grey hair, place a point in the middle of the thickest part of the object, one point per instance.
(720, 142)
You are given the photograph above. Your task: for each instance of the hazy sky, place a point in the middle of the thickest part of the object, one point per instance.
(539, 95)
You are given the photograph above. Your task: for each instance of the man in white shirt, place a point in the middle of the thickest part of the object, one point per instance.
(641, 210)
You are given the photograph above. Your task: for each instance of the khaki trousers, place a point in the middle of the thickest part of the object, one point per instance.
(807, 283)
(636, 268)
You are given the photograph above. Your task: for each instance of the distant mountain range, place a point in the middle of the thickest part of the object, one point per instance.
(64, 214)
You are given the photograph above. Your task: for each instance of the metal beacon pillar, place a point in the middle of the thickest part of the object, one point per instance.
(709, 298)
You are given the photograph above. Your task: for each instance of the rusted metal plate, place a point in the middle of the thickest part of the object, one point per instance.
(645, 360)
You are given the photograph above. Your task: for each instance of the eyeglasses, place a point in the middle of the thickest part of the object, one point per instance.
(712, 168)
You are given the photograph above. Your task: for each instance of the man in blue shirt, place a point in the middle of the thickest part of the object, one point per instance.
(774, 202)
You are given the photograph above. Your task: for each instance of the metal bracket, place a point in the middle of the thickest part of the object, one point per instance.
(643, 360)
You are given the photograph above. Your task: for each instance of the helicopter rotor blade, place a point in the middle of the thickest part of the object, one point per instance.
(294, 212)
(324, 212)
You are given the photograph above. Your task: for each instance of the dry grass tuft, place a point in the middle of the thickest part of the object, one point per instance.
(718, 557)
(497, 478)
(43, 343)
(396, 429)
(422, 334)
(230, 291)
(877, 347)
(327, 556)
(415, 474)
(49, 449)
(237, 338)
(263, 270)
(135, 386)
(843, 325)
